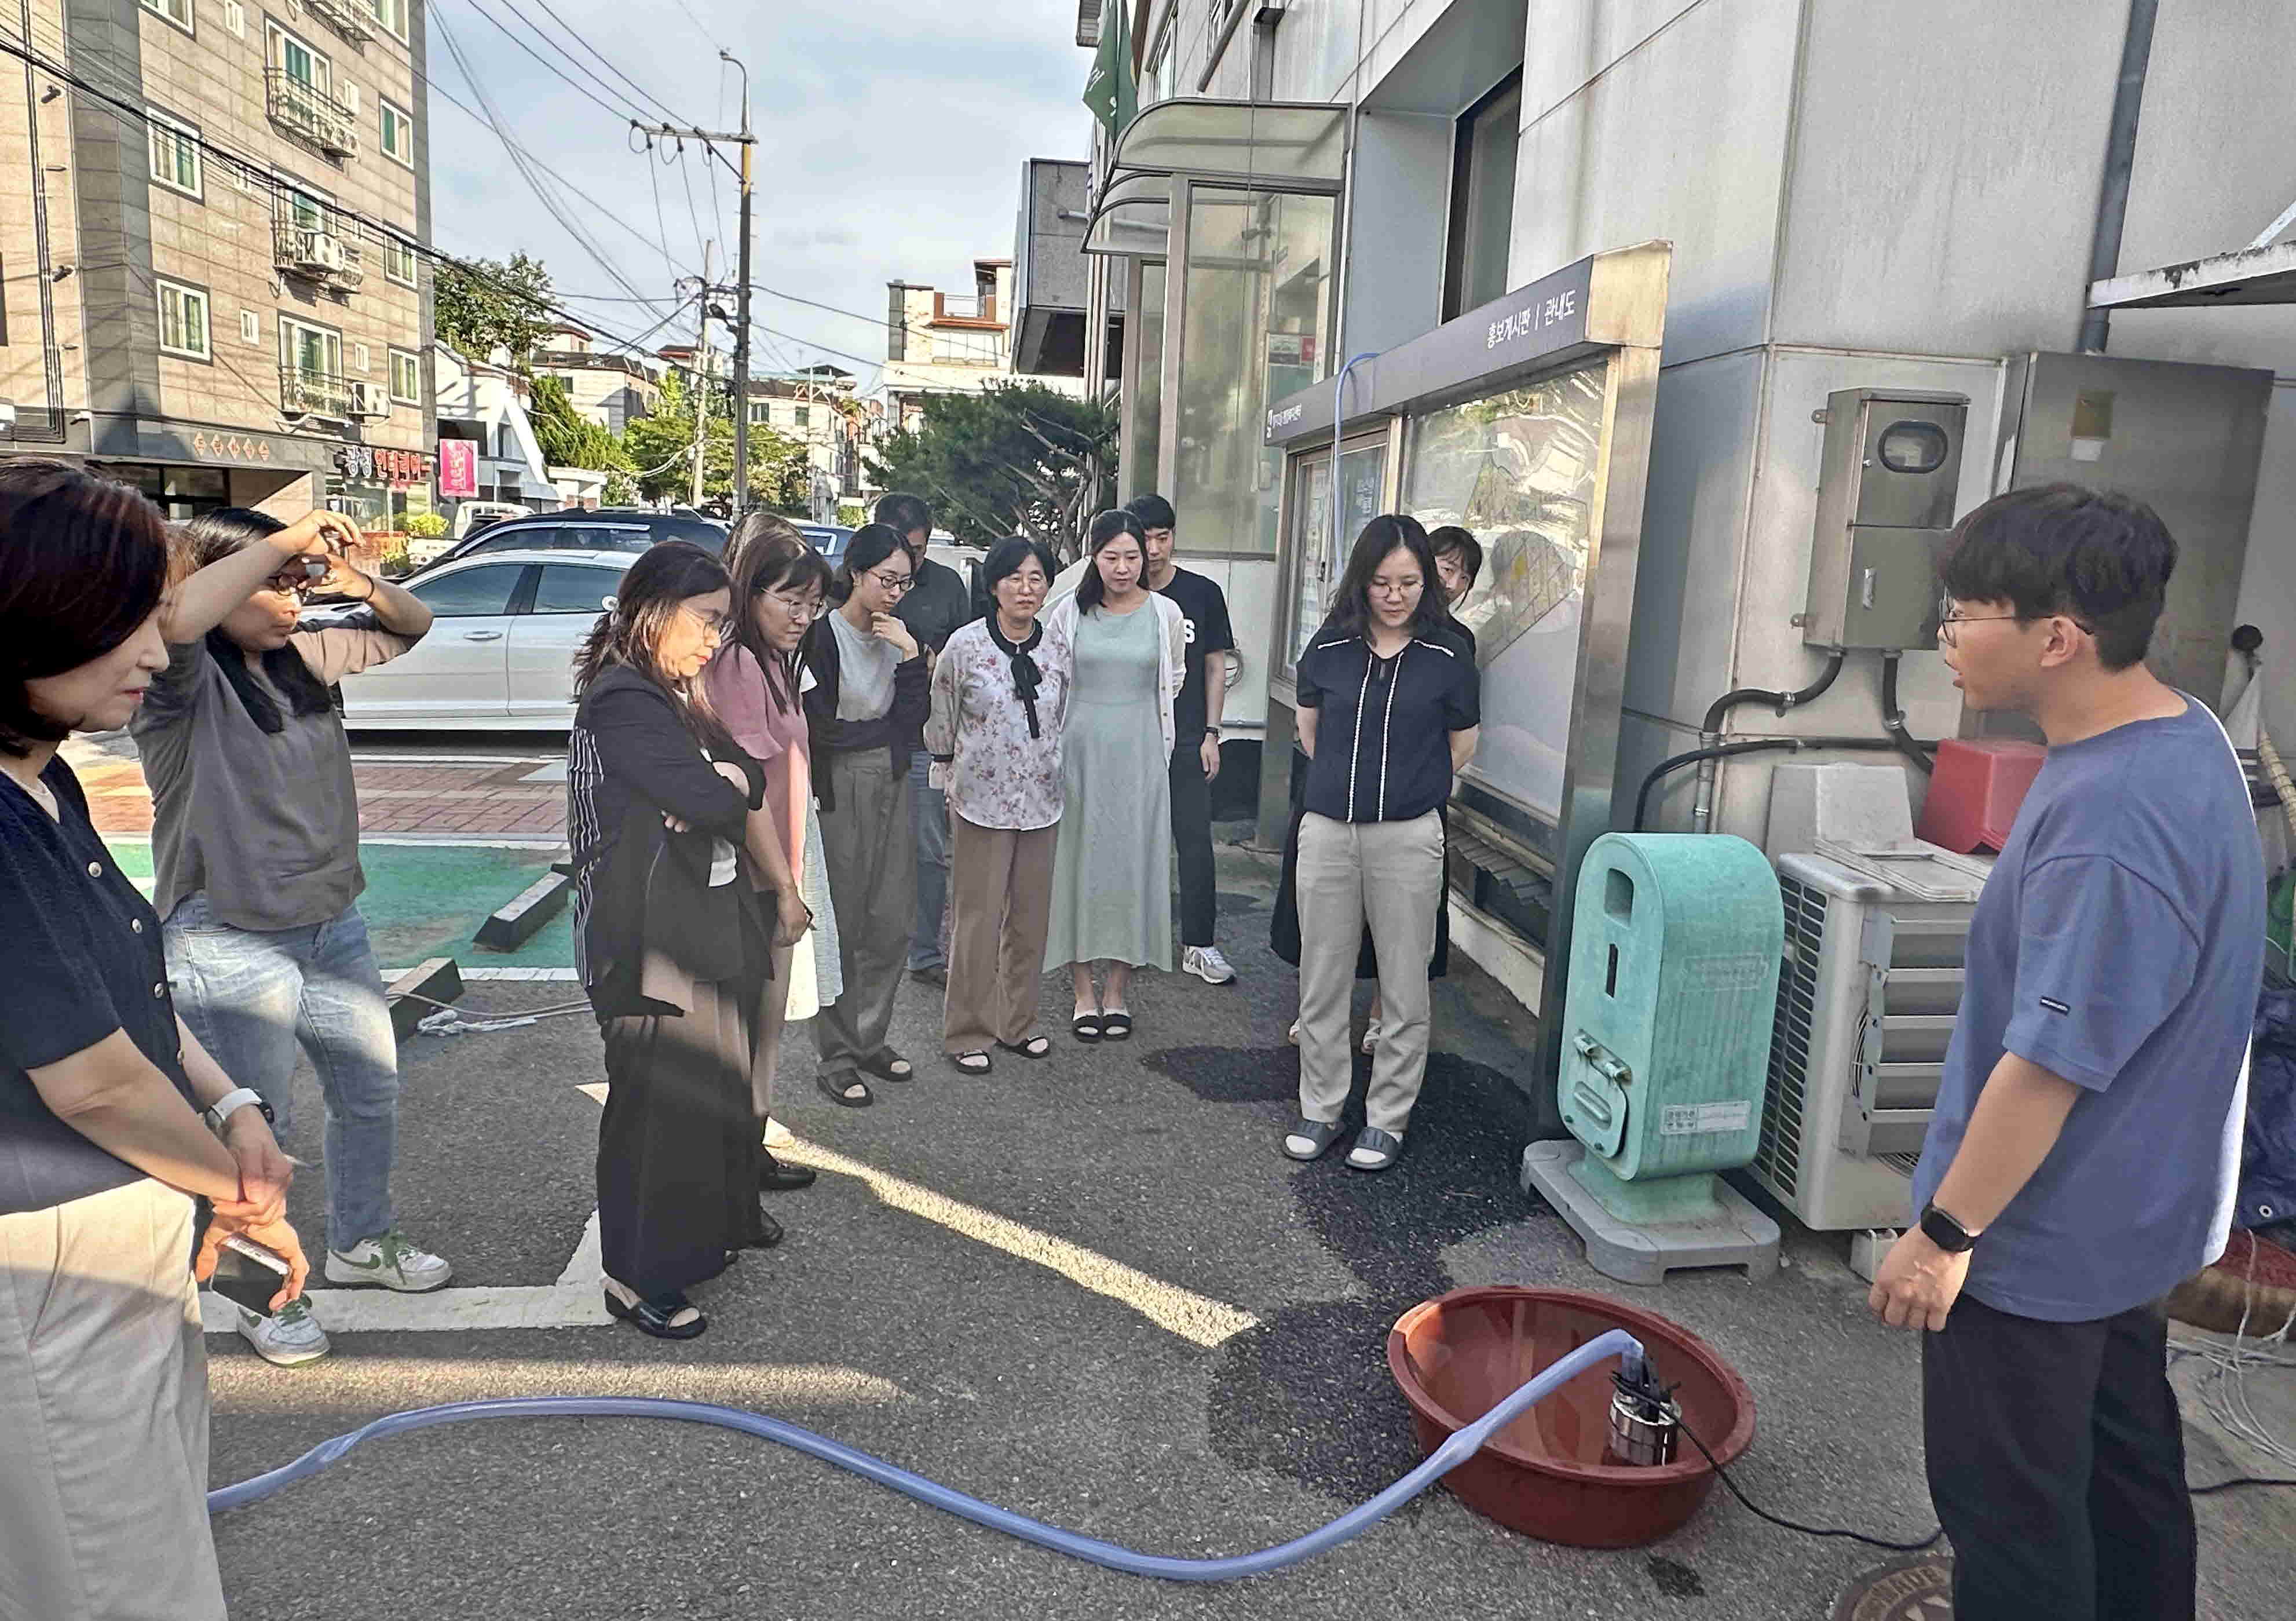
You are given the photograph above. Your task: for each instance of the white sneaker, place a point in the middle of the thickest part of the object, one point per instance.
(388, 1261)
(290, 1336)
(1207, 964)
(1371, 1037)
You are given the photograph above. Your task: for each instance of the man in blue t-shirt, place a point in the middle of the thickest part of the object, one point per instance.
(2082, 1158)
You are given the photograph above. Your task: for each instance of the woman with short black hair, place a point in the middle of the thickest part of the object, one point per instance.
(1403, 710)
(865, 715)
(672, 944)
(113, 1118)
(1000, 697)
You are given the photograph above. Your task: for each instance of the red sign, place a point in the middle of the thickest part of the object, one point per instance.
(458, 467)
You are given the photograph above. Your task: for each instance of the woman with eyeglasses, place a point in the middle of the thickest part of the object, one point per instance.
(1389, 708)
(1000, 697)
(1113, 870)
(865, 714)
(755, 686)
(255, 847)
(671, 939)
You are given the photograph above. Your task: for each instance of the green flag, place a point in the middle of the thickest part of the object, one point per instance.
(1110, 90)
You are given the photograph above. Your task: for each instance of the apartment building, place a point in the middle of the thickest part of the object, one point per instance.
(611, 389)
(211, 278)
(815, 406)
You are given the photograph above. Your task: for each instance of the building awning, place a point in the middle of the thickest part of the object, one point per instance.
(2253, 275)
(1134, 219)
(1298, 146)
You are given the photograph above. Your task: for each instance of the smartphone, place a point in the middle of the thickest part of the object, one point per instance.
(249, 1275)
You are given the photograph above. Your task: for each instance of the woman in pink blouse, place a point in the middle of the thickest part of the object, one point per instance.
(781, 585)
(1000, 697)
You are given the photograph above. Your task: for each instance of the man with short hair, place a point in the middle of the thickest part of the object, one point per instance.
(937, 603)
(2082, 1157)
(1195, 736)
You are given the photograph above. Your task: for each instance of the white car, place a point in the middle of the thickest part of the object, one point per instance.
(500, 654)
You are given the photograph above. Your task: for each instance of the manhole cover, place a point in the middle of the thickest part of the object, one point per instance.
(1915, 1590)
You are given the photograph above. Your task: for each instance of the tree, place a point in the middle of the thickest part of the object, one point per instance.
(659, 447)
(1015, 458)
(504, 305)
(568, 439)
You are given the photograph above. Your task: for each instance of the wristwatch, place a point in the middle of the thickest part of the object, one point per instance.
(1947, 1234)
(1211, 731)
(231, 1103)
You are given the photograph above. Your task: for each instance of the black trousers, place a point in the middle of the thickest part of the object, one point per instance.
(1191, 843)
(2057, 1461)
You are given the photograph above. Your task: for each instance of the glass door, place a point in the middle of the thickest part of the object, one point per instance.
(1318, 549)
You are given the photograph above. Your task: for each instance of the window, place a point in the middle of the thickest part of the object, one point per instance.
(1482, 198)
(570, 588)
(183, 321)
(347, 94)
(362, 358)
(312, 350)
(175, 154)
(392, 15)
(300, 62)
(760, 411)
(178, 11)
(405, 377)
(250, 327)
(235, 18)
(802, 416)
(397, 133)
(398, 260)
(468, 593)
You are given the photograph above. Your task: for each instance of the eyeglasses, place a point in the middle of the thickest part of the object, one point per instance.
(297, 579)
(803, 610)
(1950, 623)
(717, 624)
(892, 585)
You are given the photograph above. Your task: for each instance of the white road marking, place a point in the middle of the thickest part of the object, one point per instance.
(452, 760)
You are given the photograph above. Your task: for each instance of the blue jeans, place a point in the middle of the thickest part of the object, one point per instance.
(929, 816)
(252, 998)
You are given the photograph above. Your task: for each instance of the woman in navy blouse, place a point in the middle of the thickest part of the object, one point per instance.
(112, 1117)
(1390, 703)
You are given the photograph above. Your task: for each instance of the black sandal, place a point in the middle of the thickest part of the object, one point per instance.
(839, 1093)
(656, 1316)
(974, 1063)
(1116, 1026)
(1030, 1046)
(1086, 1026)
(882, 1067)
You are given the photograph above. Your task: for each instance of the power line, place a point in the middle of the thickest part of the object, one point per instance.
(568, 29)
(548, 66)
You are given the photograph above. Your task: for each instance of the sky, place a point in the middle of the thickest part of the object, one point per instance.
(891, 135)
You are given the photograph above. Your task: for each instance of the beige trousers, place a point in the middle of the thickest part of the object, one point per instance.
(1390, 876)
(103, 1413)
(772, 1014)
(1000, 898)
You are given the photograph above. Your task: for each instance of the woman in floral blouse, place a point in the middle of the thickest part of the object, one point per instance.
(1000, 695)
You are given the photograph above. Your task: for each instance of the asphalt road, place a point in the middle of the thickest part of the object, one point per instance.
(988, 1356)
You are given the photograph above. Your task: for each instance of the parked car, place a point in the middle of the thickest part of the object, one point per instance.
(500, 654)
(828, 539)
(471, 516)
(606, 529)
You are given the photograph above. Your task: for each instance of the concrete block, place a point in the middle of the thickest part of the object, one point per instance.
(437, 980)
(513, 925)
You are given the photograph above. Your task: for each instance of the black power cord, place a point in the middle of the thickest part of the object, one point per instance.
(2238, 1480)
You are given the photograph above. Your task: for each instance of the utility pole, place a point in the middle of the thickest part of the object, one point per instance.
(701, 396)
(746, 141)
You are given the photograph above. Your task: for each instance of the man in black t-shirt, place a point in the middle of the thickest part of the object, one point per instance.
(1195, 737)
(937, 604)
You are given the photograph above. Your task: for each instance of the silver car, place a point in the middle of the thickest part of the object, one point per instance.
(500, 654)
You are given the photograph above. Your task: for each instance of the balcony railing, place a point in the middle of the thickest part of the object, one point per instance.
(317, 252)
(304, 392)
(981, 307)
(349, 18)
(309, 111)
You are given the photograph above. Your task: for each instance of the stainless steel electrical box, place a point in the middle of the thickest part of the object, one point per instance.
(1885, 500)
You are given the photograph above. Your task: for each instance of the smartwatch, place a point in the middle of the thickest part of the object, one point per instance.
(1947, 1234)
(231, 1103)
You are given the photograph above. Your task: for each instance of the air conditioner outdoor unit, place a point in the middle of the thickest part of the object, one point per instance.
(369, 400)
(324, 252)
(1872, 982)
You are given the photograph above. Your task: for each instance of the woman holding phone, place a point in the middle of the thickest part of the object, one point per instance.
(113, 1116)
(865, 715)
(670, 940)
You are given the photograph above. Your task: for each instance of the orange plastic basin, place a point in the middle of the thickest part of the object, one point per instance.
(1455, 1357)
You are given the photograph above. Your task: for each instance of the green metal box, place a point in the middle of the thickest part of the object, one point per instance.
(1665, 1043)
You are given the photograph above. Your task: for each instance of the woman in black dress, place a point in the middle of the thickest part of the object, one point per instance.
(670, 940)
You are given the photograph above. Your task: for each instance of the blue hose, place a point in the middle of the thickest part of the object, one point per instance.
(1454, 1452)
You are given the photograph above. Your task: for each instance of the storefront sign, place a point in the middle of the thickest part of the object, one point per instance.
(366, 464)
(243, 450)
(458, 467)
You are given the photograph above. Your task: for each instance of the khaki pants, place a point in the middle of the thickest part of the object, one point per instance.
(870, 850)
(772, 1014)
(103, 1413)
(1001, 904)
(1388, 874)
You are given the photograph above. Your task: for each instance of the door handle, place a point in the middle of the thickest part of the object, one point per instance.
(482, 636)
(1603, 1060)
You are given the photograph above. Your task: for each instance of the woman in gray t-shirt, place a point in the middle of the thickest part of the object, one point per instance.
(255, 838)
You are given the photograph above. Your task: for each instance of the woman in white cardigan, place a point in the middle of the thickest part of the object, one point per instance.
(1112, 870)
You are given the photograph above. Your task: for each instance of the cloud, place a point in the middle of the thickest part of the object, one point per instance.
(891, 139)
